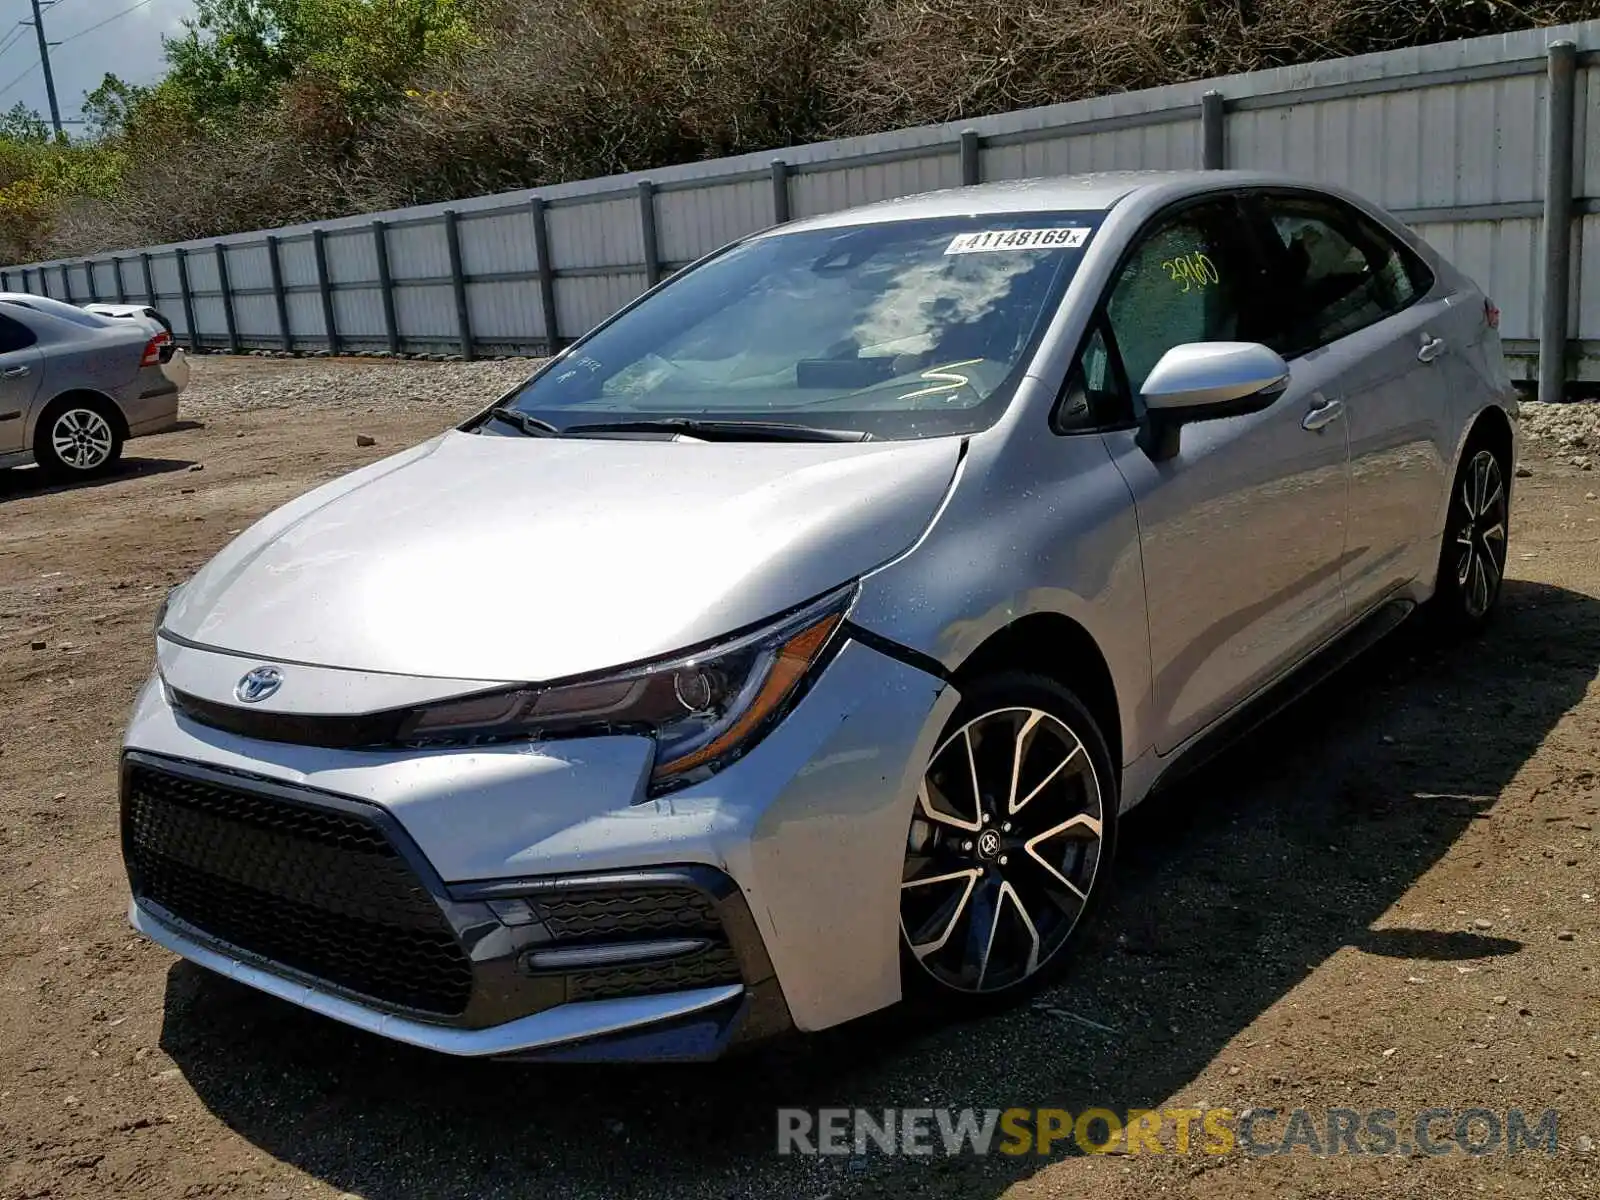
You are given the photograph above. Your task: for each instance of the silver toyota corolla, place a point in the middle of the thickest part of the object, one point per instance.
(796, 639)
(75, 384)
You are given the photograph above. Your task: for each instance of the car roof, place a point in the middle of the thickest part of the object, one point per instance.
(50, 306)
(1096, 192)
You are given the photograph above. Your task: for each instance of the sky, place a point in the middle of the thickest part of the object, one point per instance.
(129, 46)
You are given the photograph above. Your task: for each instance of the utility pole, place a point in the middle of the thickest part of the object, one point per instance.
(44, 61)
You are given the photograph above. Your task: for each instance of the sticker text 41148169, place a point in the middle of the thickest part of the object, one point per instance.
(1069, 237)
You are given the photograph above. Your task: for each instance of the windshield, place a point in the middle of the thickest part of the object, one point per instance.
(901, 330)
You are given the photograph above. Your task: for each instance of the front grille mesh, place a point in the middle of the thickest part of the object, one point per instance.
(641, 913)
(318, 890)
(634, 912)
(709, 968)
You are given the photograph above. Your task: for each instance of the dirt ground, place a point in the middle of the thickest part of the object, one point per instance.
(1384, 899)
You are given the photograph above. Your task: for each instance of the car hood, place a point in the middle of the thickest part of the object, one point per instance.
(529, 559)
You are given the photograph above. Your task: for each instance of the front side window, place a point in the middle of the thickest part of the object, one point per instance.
(1095, 397)
(898, 329)
(1186, 281)
(1333, 272)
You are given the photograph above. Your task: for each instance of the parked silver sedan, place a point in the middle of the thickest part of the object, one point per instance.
(797, 639)
(75, 385)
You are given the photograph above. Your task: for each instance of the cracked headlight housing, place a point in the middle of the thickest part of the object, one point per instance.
(704, 708)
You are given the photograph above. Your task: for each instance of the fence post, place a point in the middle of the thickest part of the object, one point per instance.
(647, 228)
(330, 327)
(227, 297)
(458, 283)
(66, 283)
(380, 249)
(122, 288)
(971, 161)
(88, 274)
(280, 301)
(5, 280)
(149, 279)
(1562, 70)
(1213, 132)
(547, 274)
(780, 192)
(188, 298)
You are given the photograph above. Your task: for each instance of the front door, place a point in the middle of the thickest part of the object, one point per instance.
(19, 379)
(1243, 532)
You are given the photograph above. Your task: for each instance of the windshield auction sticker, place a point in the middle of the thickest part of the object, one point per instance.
(1068, 237)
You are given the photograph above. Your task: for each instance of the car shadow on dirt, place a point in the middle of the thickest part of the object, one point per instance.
(19, 483)
(1233, 887)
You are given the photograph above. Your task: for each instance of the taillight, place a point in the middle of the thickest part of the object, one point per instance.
(152, 350)
(1491, 314)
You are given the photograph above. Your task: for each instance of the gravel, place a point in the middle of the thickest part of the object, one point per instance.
(222, 384)
(1573, 428)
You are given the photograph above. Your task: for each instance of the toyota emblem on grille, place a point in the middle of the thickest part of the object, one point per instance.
(258, 684)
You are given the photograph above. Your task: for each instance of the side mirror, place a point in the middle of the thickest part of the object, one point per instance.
(1202, 381)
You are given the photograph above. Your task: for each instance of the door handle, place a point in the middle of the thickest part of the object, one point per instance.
(13, 373)
(1323, 414)
(1432, 348)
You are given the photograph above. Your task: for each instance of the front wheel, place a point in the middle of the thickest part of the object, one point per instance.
(1010, 843)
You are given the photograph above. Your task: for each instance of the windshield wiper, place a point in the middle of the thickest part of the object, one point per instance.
(530, 425)
(725, 431)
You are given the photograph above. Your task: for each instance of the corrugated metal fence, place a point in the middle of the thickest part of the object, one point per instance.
(1480, 144)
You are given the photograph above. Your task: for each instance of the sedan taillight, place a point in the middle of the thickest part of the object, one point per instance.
(152, 350)
(1491, 314)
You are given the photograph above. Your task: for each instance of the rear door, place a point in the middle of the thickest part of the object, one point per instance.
(20, 364)
(1350, 295)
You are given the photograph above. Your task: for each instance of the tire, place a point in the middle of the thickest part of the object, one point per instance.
(77, 438)
(996, 886)
(1472, 556)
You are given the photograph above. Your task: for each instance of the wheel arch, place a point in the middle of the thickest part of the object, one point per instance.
(81, 395)
(1054, 644)
(1492, 426)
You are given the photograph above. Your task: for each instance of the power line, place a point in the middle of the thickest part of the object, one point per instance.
(12, 38)
(32, 67)
(114, 16)
(44, 56)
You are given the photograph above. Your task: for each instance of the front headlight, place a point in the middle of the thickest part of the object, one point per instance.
(704, 709)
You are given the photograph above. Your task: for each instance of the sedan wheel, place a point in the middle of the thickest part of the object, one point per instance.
(1479, 525)
(77, 440)
(82, 439)
(1006, 845)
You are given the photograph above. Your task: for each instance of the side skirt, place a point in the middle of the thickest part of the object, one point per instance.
(1322, 664)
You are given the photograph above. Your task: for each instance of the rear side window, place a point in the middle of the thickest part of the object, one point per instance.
(1332, 272)
(14, 335)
